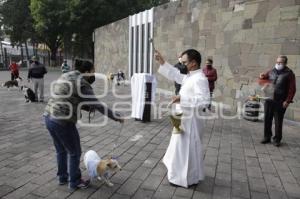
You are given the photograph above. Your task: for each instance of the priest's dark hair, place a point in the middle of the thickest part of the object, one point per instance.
(83, 65)
(193, 54)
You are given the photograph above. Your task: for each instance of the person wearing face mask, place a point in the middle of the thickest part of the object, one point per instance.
(68, 96)
(184, 156)
(211, 74)
(183, 70)
(284, 84)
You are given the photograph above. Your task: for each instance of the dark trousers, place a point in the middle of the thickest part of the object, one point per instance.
(177, 88)
(14, 75)
(273, 110)
(210, 100)
(67, 143)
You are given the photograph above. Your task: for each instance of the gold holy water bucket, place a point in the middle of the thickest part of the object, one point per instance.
(175, 118)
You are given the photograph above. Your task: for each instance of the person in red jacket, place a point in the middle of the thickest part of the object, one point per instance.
(211, 74)
(14, 70)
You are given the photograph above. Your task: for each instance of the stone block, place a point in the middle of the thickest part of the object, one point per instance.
(239, 175)
(258, 185)
(289, 13)
(286, 29)
(142, 193)
(251, 10)
(266, 33)
(219, 40)
(228, 36)
(227, 71)
(286, 3)
(234, 50)
(261, 13)
(271, 49)
(249, 60)
(129, 187)
(240, 189)
(290, 48)
(152, 182)
(247, 24)
(239, 36)
(292, 189)
(234, 24)
(211, 42)
(273, 16)
(221, 192)
(296, 115)
(251, 36)
(226, 17)
(164, 191)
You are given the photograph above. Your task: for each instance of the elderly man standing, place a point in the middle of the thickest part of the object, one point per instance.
(283, 81)
(36, 73)
(184, 156)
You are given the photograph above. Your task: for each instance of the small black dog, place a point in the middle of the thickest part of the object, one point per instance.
(12, 83)
(28, 93)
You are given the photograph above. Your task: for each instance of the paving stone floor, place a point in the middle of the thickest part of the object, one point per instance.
(236, 164)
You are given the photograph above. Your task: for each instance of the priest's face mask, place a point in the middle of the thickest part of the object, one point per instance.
(90, 76)
(190, 65)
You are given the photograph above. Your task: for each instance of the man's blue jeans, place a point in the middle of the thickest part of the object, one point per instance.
(67, 143)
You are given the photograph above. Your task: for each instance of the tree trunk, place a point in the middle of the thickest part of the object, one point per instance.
(2, 53)
(26, 49)
(53, 56)
(22, 54)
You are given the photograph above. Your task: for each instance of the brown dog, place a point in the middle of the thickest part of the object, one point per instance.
(100, 168)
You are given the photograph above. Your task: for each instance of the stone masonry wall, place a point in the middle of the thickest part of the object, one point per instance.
(111, 47)
(243, 38)
(242, 43)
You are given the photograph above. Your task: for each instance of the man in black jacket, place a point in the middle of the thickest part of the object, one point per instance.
(36, 75)
(183, 70)
(283, 81)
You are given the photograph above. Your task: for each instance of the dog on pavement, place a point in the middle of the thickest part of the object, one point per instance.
(12, 83)
(28, 94)
(100, 168)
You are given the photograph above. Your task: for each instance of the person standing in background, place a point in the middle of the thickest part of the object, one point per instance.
(284, 84)
(36, 74)
(14, 70)
(65, 67)
(211, 74)
(183, 70)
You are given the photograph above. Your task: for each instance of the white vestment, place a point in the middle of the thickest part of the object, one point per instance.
(184, 156)
(138, 90)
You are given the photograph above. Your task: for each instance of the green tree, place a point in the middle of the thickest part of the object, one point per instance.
(87, 15)
(17, 22)
(51, 18)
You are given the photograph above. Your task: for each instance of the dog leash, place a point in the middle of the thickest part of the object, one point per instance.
(116, 141)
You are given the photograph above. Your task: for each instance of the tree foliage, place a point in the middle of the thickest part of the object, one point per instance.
(16, 21)
(65, 23)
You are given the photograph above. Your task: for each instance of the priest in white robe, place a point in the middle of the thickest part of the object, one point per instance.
(184, 156)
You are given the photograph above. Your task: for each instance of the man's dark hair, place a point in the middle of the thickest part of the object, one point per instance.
(209, 60)
(83, 65)
(193, 54)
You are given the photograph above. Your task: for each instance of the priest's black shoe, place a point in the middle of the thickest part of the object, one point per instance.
(173, 185)
(265, 141)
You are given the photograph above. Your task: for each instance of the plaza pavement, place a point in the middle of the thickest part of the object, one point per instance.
(236, 164)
